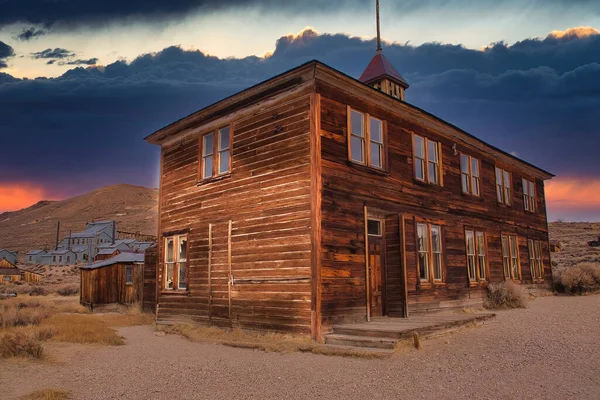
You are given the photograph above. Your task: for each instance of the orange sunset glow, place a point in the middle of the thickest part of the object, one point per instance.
(572, 195)
(17, 196)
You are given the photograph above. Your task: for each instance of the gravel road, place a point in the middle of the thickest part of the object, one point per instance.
(549, 351)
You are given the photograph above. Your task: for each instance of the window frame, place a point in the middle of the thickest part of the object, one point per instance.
(215, 154)
(536, 261)
(176, 238)
(129, 274)
(476, 256)
(366, 140)
(507, 191)
(529, 200)
(429, 253)
(470, 176)
(512, 256)
(426, 161)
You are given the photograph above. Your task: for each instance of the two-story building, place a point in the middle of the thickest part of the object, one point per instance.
(314, 198)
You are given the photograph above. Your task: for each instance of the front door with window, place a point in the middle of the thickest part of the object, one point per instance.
(376, 268)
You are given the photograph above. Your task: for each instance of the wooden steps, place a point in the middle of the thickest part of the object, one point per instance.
(384, 333)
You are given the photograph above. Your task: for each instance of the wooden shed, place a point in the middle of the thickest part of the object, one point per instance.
(555, 246)
(116, 280)
(8, 272)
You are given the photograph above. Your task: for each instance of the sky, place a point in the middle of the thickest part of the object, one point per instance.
(81, 84)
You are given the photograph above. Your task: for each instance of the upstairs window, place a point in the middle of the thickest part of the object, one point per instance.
(176, 262)
(476, 255)
(503, 186)
(469, 171)
(510, 257)
(529, 195)
(535, 259)
(429, 250)
(216, 153)
(365, 143)
(427, 160)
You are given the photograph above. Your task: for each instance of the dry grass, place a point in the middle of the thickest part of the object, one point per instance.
(506, 295)
(70, 290)
(265, 341)
(48, 394)
(582, 278)
(29, 321)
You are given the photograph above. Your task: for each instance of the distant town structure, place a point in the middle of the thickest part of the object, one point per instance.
(34, 256)
(10, 256)
(99, 241)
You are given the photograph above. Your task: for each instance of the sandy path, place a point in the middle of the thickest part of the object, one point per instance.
(548, 351)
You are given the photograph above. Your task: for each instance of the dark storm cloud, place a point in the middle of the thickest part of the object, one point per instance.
(539, 98)
(91, 61)
(30, 33)
(5, 52)
(53, 53)
(68, 13)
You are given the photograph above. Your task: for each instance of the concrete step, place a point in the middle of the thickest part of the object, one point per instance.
(360, 341)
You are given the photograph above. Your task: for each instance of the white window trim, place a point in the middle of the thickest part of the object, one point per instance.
(425, 161)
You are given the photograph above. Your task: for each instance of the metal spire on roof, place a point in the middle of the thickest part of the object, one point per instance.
(378, 28)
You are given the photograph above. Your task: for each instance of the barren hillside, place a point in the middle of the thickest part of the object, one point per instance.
(573, 237)
(133, 207)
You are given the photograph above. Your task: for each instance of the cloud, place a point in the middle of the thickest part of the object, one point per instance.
(30, 33)
(537, 97)
(5, 53)
(53, 53)
(71, 13)
(14, 196)
(91, 61)
(573, 198)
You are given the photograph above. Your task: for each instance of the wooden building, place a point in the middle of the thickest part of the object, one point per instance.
(314, 198)
(116, 280)
(34, 256)
(10, 256)
(555, 246)
(9, 272)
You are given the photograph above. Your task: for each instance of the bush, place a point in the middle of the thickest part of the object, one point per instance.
(68, 290)
(38, 291)
(15, 344)
(505, 295)
(581, 278)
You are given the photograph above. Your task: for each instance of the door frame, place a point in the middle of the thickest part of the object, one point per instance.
(383, 270)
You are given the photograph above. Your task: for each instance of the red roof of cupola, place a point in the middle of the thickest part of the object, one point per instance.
(380, 68)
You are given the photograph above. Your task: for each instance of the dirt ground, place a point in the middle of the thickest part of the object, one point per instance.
(548, 351)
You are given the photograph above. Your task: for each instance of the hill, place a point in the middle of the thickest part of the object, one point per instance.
(135, 208)
(573, 237)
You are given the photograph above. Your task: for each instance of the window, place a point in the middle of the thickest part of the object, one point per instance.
(510, 257)
(427, 160)
(469, 172)
(529, 195)
(128, 275)
(374, 227)
(503, 186)
(176, 262)
(476, 255)
(366, 144)
(429, 250)
(68, 259)
(535, 259)
(216, 153)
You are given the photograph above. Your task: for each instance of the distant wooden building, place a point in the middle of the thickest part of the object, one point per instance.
(555, 246)
(9, 272)
(59, 257)
(10, 256)
(31, 276)
(34, 256)
(116, 280)
(314, 198)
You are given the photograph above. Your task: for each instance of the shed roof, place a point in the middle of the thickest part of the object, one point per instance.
(121, 258)
(10, 271)
(58, 252)
(34, 252)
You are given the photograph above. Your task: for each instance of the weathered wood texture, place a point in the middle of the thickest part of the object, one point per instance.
(29, 276)
(149, 284)
(348, 187)
(107, 285)
(267, 198)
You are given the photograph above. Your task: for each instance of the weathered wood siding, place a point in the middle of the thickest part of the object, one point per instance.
(149, 284)
(267, 200)
(348, 187)
(107, 285)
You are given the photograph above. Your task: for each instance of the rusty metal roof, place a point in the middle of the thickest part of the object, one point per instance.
(381, 67)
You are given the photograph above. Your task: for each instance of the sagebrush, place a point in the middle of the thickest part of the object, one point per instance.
(581, 278)
(506, 295)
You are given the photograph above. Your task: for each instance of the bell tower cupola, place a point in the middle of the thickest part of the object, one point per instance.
(381, 74)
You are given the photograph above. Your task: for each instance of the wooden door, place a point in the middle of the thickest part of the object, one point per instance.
(376, 275)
